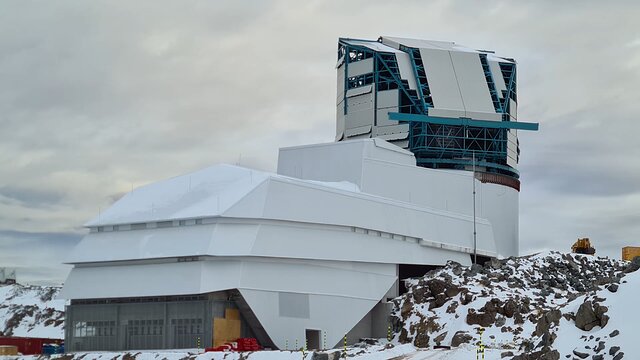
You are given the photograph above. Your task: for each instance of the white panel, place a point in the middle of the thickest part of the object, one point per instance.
(382, 117)
(513, 109)
(340, 84)
(373, 45)
(333, 315)
(490, 116)
(393, 136)
(193, 277)
(406, 69)
(387, 101)
(395, 42)
(446, 113)
(472, 83)
(403, 144)
(360, 102)
(442, 79)
(359, 91)
(289, 201)
(359, 112)
(402, 131)
(387, 98)
(494, 66)
(360, 67)
(357, 131)
(512, 148)
(340, 125)
(206, 192)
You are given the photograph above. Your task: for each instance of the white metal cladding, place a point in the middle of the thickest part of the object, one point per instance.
(261, 238)
(359, 91)
(496, 73)
(340, 125)
(406, 69)
(489, 116)
(339, 293)
(395, 42)
(360, 67)
(340, 85)
(442, 80)
(447, 190)
(472, 82)
(387, 101)
(351, 132)
(512, 148)
(513, 109)
(400, 131)
(359, 111)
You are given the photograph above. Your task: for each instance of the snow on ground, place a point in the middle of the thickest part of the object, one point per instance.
(528, 304)
(527, 307)
(31, 311)
(397, 352)
(623, 318)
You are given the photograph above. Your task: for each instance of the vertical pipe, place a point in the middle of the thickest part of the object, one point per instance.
(475, 242)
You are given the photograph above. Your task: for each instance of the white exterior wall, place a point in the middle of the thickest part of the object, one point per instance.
(329, 229)
(446, 190)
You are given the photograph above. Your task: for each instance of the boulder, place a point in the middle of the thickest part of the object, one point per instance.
(579, 354)
(437, 286)
(483, 319)
(460, 337)
(586, 318)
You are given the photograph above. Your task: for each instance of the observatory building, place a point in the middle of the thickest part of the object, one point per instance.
(317, 250)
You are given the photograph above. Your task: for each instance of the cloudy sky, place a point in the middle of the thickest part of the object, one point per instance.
(99, 97)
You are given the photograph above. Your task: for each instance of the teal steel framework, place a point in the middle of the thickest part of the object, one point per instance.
(439, 142)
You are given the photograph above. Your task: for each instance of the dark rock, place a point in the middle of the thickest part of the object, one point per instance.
(438, 339)
(460, 337)
(440, 300)
(613, 288)
(421, 340)
(614, 333)
(437, 286)
(613, 350)
(420, 294)
(544, 354)
(509, 309)
(619, 356)
(553, 316)
(404, 336)
(506, 354)
(600, 311)
(452, 291)
(466, 297)
(600, 347)
(320, 356)
(451, 309)
(585, 317)
(406, 309)
(597, 357)
(633, 266)
(579, 354)
(483, 319)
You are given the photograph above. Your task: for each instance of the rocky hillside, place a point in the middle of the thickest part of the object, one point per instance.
(31, 311)
(543, 306)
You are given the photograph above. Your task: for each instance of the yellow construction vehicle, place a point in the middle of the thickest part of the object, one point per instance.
(583, 246)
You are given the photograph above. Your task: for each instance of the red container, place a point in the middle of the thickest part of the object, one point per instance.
(28, 346)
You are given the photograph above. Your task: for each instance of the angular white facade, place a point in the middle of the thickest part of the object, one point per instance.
(316, 246)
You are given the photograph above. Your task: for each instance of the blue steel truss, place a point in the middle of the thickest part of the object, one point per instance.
(439, 142)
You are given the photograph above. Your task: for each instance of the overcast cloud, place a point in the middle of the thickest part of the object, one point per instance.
(98, 97)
